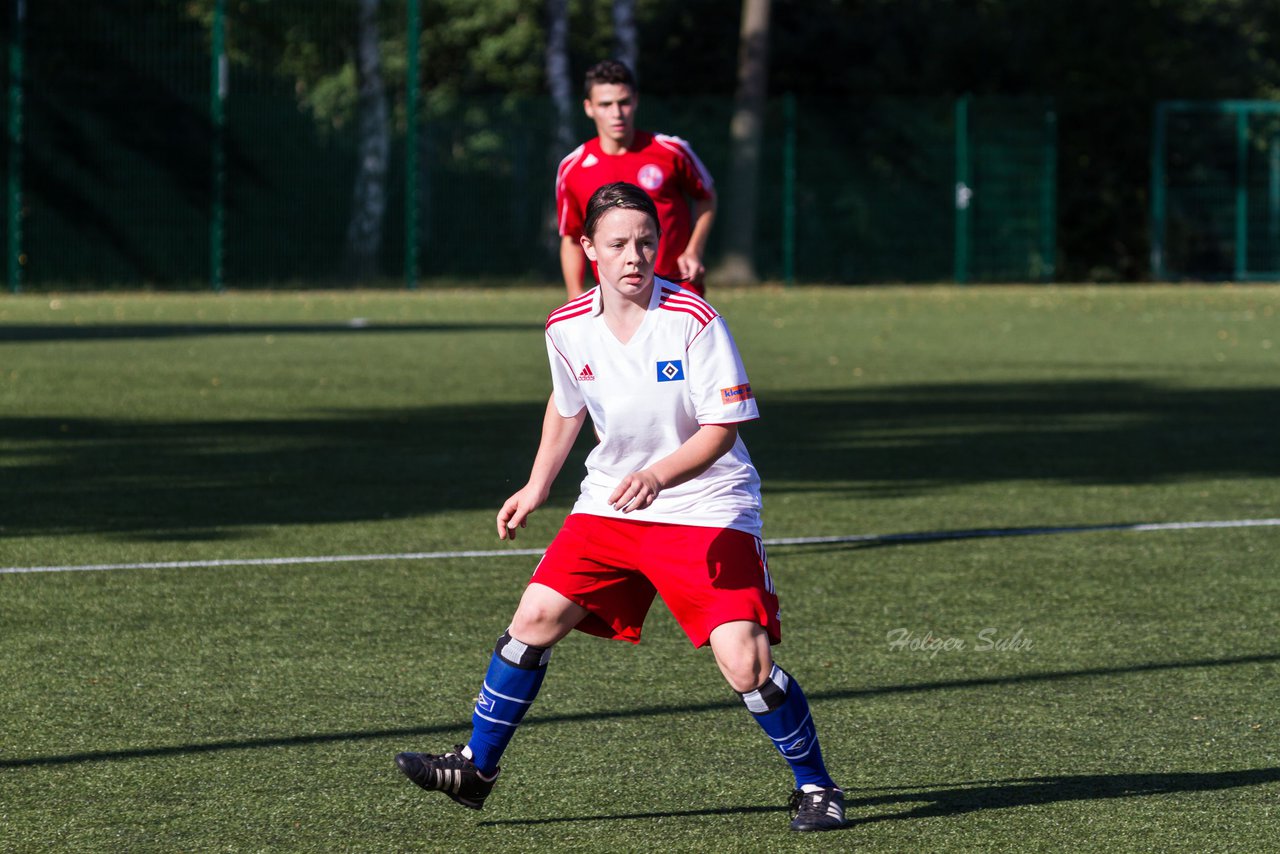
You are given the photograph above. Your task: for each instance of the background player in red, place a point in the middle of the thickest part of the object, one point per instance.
(665, 166)
(670, 506)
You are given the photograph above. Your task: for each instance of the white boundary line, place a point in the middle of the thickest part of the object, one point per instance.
(977, 533)
(270, 561)
(920, 537)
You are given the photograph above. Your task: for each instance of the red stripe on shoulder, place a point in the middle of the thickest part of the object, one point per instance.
(687, 302)
(574, 308)
(702, 319)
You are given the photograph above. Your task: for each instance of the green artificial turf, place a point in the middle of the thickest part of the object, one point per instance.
(1062, 681)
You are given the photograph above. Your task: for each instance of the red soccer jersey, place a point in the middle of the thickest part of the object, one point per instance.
(665, 166)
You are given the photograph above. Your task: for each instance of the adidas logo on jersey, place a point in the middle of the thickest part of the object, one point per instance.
(586, 374)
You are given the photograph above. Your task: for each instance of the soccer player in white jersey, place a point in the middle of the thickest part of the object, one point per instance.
(670, 505)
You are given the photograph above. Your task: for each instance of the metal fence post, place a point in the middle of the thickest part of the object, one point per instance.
(411, 147)
(1273, 199)
(1242, 194)
(218, 74)
(964, 193)
(789, 189)
(1157, 192)
(13, 251)
(1049, 199)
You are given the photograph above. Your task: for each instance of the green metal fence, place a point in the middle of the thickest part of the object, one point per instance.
(174, 144)
(1215, 190)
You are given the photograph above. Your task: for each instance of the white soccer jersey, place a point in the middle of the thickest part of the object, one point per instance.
(680, 370)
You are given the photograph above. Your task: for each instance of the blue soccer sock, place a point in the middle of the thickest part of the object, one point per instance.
(782, 711)
(515, 674)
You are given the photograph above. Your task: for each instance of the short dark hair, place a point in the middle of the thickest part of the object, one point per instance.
(622, 195)
(608, 71)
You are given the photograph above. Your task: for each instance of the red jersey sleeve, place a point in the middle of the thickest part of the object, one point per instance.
(692, 177)
(569, 208)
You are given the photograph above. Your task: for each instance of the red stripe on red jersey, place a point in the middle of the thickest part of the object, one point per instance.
(566, 164)
(562, 175)
(681, 147)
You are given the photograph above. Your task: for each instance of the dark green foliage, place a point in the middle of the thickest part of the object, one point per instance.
(1105, 64)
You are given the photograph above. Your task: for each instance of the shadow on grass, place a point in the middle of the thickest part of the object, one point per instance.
(958, 799)
(961, 798)
(208, 479)
(914, 439)
(631, 816)
(651, 711)
(43, 333)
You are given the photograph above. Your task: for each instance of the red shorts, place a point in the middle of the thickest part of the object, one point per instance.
(613, 567)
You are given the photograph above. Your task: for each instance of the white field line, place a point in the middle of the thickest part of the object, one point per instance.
(270, 561)
(918, 537)
(977, 533)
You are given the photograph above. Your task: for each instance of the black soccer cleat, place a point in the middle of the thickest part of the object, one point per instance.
(820, 810)
(451, 773)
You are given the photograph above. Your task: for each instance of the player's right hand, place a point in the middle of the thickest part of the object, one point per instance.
(515, 512)
(510, 517)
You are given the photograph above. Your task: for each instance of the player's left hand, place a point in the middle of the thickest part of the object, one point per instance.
(636, 491)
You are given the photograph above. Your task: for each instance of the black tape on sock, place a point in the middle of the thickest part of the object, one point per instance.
(520, 654)
(770, 695)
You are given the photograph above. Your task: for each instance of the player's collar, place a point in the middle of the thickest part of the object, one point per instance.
(640, 139)
(659, 284)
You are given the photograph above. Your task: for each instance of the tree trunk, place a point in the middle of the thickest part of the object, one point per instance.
(626, 38)
(369, 200)
(558, 79)
(561, 85)
(739, 200)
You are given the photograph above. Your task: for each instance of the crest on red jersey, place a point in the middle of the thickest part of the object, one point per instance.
(650, 177)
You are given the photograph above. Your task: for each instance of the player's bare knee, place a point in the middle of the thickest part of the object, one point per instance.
(745, 674)
(744, 667)
(544, 617)
(534, 625)
(742, 652)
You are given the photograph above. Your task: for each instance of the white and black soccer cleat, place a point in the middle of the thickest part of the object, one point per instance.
(819, 810)
(451, 773)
